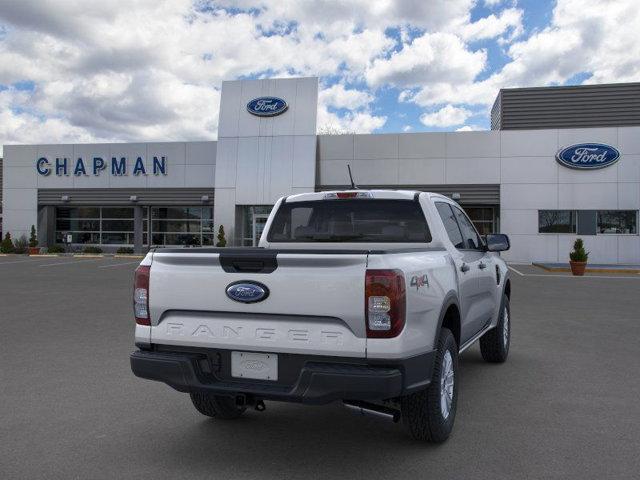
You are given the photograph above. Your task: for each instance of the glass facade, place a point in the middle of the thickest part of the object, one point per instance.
(483, 218)
(253, 221)
(95, 225)
(588, 222)
(557, 221)
(187, 226)
(618, 221)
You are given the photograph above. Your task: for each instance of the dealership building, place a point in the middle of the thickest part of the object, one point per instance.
(559, 162)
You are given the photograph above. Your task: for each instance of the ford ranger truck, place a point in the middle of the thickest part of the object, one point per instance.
(363, 296)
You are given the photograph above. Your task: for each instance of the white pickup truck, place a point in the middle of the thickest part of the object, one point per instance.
(360, 296)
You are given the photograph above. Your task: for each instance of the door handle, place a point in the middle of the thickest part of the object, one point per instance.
(482, 266)
(464, 268)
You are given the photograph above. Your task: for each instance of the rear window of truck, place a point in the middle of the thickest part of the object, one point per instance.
(353, 220)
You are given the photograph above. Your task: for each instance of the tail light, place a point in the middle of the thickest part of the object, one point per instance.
(141, 295)
(385, 303)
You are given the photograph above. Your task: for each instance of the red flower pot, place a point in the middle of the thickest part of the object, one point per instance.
(578, 268)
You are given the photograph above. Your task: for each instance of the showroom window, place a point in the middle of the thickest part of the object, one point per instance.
(618, 221)
(556, 221)
(188, 226)
(95, 225)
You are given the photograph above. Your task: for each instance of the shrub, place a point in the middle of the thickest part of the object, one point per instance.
(33, 238)
(55, 249)
(579, 254)
(7, 244)
(222, 241)
(21, 244)
(92, 249)
(124, 251)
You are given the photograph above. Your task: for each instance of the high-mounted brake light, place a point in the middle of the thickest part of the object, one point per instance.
(385, 303)
(141, 295)
(345, 195)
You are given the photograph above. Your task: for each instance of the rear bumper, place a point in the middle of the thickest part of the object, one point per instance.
(307, 379)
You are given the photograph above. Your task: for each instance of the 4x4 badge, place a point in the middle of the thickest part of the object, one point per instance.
(419, 281)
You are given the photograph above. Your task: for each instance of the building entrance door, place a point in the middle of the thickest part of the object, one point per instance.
(259, 220)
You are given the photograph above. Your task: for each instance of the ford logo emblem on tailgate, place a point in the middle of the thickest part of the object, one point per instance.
(246, 291)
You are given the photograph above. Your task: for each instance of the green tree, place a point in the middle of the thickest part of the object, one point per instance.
(222, 241)
(33, 238)
(579, 254)
(7, 244)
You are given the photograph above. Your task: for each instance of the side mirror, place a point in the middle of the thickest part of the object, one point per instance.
(497, 242)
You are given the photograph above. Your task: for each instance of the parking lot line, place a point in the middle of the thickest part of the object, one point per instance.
(118, 264)
(515, 270)
(21, 261)
(69, 263)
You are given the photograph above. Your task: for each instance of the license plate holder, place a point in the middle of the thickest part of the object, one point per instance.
(256, 366)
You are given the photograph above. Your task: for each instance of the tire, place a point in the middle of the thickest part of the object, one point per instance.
(216, 406)
(494, 345)
(427, 415)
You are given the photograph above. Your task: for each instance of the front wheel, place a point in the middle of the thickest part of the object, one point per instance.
(429, 414)
(216, 406)
(494, 345)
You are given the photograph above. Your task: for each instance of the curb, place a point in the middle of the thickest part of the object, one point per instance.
(588, 269)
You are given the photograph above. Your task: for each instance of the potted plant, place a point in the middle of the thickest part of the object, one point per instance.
(222, 241)
(21, 245)
(33, 242)
(578, 258)
(7, 244)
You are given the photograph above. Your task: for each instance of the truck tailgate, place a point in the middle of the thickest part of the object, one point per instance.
(315, 303)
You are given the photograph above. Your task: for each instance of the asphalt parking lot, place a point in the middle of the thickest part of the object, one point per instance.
(565, 405)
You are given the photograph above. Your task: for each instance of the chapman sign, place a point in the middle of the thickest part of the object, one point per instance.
(95, 166)
(267, 106)
(588, 156)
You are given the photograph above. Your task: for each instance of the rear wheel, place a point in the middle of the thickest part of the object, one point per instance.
(216, 406)
(429, 414)
(494, 345)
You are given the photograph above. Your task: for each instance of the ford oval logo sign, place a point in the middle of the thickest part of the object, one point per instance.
(588, 156)
(267, 106)
(247, 291)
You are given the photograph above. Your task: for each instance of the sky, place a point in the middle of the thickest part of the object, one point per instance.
(77, 71)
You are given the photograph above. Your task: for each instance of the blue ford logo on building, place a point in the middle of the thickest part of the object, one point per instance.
(267, 106)
(588, 156)
(246, 291)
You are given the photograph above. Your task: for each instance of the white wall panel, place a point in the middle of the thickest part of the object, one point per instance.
(529, 143)
(629, 249)
(473, 144)
(422, 145)
(570, 136)
(629, 196)
(373, 147)
(604, 175)
(473, 170)
(226, 162)
(528, 196)
(629, 168)
(20, 156)
(200, 153)
(335, 147)
(305, 107)
(20, 177)
(88, 153)
(202, 176)
(587, 196)
(529, 170)
(426, 171)
(304, 162)
(629, 140)
(230, 108)
(521, 222)
(532, 248)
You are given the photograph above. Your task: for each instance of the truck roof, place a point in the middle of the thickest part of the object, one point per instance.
(373, 193)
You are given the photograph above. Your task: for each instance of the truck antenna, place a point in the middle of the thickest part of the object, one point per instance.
(353, 184)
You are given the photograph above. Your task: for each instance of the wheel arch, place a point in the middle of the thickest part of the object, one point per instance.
(450, 317)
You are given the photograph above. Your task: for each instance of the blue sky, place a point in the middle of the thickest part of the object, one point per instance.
(145, 70)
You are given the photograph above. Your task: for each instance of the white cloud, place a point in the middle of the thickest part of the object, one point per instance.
(407, 128)
(469, 128)
(509, 20)
(433, 57)
(338, 96)
(447, 116)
